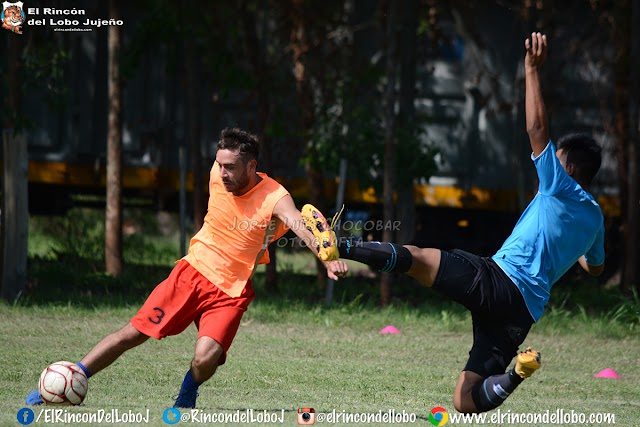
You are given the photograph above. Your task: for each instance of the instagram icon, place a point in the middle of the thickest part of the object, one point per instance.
(306, 416)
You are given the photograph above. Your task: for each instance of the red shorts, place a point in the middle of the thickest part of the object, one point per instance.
(187, 296)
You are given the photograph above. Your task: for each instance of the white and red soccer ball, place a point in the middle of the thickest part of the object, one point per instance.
(63, 383)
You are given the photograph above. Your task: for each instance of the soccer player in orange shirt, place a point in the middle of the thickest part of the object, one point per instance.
(211, 285)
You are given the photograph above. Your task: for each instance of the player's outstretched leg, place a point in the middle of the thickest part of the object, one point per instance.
(103, 354)
(382, 256)
(493, 391)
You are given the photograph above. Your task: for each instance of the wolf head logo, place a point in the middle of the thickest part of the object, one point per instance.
(12, 16)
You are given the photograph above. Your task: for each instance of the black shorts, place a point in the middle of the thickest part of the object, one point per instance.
(501, 319)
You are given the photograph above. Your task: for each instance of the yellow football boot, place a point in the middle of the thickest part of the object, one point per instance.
(528, 362)
(327, 243)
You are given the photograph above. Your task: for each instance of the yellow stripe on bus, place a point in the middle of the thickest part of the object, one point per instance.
(141, 178)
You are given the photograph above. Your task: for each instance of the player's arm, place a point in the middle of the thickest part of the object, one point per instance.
(594, 270)
(286, 211)
(535, 111)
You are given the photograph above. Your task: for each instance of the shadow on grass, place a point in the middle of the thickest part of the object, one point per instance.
(81, 282)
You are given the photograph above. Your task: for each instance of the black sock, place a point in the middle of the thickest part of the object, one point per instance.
(383, 256)
(490, 393)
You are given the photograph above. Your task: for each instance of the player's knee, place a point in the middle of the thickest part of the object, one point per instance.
(413, 249)
(425, 264)
(130, 337)
(207, 356)
(463, 403)
(457, 401)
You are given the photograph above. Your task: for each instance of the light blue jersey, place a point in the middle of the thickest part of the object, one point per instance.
(562, 223)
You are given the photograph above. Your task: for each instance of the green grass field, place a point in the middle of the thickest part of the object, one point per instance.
(292, 351)
(329, 359)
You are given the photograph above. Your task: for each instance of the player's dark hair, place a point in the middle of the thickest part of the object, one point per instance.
(583, 152)
(237, 139)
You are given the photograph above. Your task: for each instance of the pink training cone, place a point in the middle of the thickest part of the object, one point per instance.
(607, 373)
(389, 330)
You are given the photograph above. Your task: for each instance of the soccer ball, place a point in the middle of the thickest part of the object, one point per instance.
(63, 383)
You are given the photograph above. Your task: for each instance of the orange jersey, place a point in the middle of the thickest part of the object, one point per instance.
(235, 231)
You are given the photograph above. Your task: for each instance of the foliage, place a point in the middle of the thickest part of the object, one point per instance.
(349, 124)
(159, 27)
(66, 257)
(45, 64)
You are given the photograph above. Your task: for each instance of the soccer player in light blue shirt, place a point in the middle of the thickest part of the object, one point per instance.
(562, 225)
(507, 293)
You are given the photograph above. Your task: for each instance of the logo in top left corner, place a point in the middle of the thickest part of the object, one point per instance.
(12, 16)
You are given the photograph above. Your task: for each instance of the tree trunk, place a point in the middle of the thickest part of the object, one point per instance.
(624, 145)
(113, 226)
(406, 199)
(389, 102)
(14, 210)
(195, 135)
(631, 273)
(15, 214)
(260, 70)
(300, 45)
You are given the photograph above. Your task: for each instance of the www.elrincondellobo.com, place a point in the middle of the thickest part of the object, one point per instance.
(549, 417)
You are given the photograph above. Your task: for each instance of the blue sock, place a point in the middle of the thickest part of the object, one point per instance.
(188, 392)
(85, 370)
(189, 385)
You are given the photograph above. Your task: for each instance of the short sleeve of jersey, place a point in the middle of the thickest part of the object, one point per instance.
(595, 255)
(552, 176)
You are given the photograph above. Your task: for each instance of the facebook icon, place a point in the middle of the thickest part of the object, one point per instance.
(25, 416)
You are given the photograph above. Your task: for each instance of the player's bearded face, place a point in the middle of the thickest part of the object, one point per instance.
(235, 173)
(237, 183)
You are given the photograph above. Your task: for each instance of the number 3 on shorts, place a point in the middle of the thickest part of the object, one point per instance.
(159, 316)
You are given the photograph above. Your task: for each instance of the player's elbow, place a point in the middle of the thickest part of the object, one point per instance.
(534, 127)
(595, 270)
(537, 130)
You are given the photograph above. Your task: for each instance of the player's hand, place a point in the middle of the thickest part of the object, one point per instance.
(336, 269)
(536, 47)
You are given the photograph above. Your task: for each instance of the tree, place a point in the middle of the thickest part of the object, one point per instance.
(113, 225)
(15, 213)
(405, 156)
(262, 90)
(621, 20)
(306, 43)
(390, 98)
(354, 115)
(631, 275)
(195, 135)
(406, 121)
